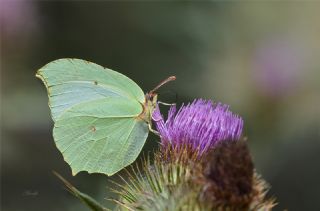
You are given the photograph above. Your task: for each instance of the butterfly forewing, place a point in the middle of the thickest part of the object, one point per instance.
(73, 81)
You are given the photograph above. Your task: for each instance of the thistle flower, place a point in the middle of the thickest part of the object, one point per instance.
(199, 125)
(203, 164)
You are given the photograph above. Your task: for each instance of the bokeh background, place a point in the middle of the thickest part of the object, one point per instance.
(263, 59)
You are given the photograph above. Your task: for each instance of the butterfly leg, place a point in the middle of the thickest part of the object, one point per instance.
(152, 130)
(166, 104)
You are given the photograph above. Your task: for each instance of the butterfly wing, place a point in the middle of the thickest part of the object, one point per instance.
(95, 112)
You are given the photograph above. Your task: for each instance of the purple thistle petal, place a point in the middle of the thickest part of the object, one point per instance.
(201, 125)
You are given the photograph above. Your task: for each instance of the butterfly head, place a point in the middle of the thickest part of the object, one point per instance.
(151, 99)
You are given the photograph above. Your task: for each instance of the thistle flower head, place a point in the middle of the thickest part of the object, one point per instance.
(224, 179)
(200, 125)
(229, 180)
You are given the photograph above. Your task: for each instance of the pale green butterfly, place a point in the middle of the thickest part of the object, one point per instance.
(101, 117)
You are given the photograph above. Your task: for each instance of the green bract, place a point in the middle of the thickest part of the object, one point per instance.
(100, 119)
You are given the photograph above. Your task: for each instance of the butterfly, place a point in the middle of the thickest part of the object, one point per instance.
(101, 117)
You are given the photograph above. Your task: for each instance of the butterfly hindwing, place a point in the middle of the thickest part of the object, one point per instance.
(102, 145)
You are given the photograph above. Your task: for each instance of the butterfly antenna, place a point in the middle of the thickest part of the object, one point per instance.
(171, 78)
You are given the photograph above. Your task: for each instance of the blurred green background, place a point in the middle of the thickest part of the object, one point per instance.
(263, 59)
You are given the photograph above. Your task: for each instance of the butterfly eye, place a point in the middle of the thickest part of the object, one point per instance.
(149, 96)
